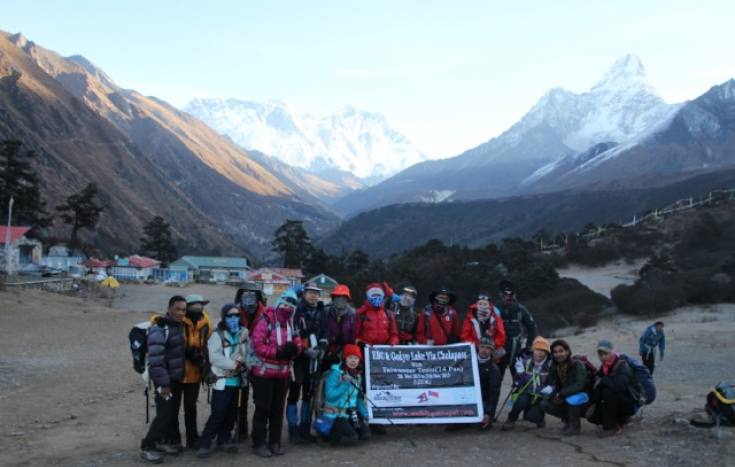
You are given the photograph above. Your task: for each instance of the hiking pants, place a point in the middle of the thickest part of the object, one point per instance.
(345, 434)
(223, 417)
(269, 396)
(530, 406)
(570, 415)
(650, 361)
(189, 394)
(300, 390)
(611, 410)
(165, 418)
(243, 433)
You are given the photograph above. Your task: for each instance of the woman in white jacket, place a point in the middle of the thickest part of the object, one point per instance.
(227, 348)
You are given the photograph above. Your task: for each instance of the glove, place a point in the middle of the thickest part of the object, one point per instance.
(194, 355)
(323, 343)
(286, 351)
(311, 353)
(547, 390)
(519, 366)
(387, 289)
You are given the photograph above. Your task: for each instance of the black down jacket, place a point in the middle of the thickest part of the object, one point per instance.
(166, 352)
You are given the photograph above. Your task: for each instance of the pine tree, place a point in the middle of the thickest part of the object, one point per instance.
(19, 180)
(157, 240)
(292, 241)
(80, 211)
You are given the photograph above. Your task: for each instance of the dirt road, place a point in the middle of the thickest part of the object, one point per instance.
(69, 396)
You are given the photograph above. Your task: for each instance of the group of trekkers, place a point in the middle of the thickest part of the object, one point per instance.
(307, 357)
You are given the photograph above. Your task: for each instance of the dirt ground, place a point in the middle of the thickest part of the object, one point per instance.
(69, 396)
(603, 279)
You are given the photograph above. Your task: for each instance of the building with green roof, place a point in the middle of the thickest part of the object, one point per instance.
(213, 268)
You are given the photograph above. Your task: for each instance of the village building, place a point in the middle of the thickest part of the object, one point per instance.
(20, 249)
(134, 268)
(212, 268)
(61, 258)
(326, 283)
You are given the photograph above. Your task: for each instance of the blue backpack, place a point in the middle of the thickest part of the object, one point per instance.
(646, 390)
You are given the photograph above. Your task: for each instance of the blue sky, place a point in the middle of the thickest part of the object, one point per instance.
(449, 74)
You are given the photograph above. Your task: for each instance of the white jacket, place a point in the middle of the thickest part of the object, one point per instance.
(224, 359)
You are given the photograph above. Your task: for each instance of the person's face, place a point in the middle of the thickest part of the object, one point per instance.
(560, 353)
(407, 300)
(311, 297)
(539, 355)
(178, 310)
(659, 327)
(604, 356)
(508, 297)
(340, 302)
(195, 307)
(485, 351)
(352, 362)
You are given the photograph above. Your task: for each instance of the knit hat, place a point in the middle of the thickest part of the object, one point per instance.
(541, 344)
(605, 346)
(374, 289)
(352, 350)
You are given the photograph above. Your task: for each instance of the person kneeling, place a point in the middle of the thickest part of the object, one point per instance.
(613, 399)
(227, 355)
(344, 405)
(568, 382)
(529, 383)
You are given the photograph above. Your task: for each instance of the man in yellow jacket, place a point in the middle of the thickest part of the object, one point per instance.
(198, 328)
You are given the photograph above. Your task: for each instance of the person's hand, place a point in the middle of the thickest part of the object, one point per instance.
(486, 421)
(557, 398)
(547, 390)
(519, 366)
(345, 377)
(286, 351)
(165, 393)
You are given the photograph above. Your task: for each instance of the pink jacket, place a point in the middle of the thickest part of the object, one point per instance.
(265, 341)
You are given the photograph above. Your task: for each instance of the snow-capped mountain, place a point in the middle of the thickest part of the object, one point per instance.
(354, 141)
(618, 108)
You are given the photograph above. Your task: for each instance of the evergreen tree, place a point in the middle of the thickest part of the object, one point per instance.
(19, 180)
(157, 240)
(81, 211)
(292, 241)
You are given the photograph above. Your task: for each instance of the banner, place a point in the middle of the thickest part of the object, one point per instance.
(423, 384)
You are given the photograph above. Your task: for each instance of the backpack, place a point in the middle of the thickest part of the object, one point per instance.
(591, 372)
(208, 377)
(721, 403)
(645, 389)
(138, 337)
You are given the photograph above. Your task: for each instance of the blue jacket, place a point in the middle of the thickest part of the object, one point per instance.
(651, 339)
(342, 395)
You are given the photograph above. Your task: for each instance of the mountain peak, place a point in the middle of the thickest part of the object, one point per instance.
(627, 71)
(19, 40)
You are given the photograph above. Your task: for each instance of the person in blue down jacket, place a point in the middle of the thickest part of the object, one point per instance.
(343, 400)
(166, 354)
(651, 338)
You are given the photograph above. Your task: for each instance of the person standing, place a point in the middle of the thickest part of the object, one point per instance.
(651, 338)
(530, 385)
(404, 309)
(197, 328)
(517, 321)
(275, 346)
(483, 320)
(374, 323)
(613, 397)
(340, 325)
(227, 350)
(567, 377)
(166, 344)
(438, 324)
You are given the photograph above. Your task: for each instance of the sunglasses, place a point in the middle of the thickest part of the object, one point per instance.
(483, 297)
(291, 301)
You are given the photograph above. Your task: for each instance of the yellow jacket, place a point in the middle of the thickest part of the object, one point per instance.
(196, 337)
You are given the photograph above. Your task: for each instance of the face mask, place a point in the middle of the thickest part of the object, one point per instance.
(340, 303)
(407, 300)
(249, 300)
(233, 323)
(376, 301)
(194, 315)
(483, 311)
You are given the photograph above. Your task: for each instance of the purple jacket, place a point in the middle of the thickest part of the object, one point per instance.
(520, 379)
(341, 332)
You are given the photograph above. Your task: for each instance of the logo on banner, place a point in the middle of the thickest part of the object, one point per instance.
(424, 396)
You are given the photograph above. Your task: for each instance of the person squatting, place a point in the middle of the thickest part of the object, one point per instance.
(302, 360)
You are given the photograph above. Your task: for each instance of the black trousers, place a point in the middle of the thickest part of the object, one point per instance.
(189, 395)
(300, 390)
(570, 415)
(269, 395)
(530, 406)
(222, 419)
(161, 427)
(345, 434)
(612, 410)
(243, 432)
(650, 361)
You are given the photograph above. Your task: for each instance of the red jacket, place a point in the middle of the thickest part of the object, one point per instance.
(496, 329)
(375, 326)
(440, 327)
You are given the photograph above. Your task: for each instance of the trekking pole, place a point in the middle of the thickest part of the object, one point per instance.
(147, 405)
(496, 416)
(236, 437)
(390, 421)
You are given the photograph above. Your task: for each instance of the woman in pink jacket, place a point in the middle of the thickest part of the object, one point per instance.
(274, 348)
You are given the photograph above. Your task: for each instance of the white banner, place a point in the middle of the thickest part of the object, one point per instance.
(423, 384)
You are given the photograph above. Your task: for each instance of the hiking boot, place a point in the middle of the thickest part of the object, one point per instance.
(569, 431)
(203, 453)
(609, 433)
(180, 448)
(262, 451)
(167, 449)
(508, 426)
(276, 449)
(152, 457)
(230, 448)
